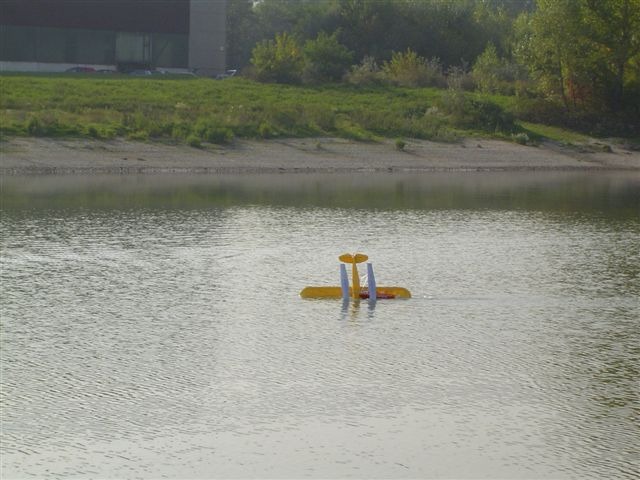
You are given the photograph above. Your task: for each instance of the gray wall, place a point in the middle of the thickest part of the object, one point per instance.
(207, 36)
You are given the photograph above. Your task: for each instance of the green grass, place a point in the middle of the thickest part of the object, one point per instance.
(196, 111)
(557, 134)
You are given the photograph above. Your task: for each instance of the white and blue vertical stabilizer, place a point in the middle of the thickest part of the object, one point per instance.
(371, 282)
(344, 282)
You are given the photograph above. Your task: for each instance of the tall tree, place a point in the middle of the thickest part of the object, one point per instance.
(613, 29)
(242, 32)
(582, 49)
(551, 45)
(366, 25)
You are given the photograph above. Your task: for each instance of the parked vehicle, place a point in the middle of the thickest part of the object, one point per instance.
(227, 74)
(80, 70)
(141, 72)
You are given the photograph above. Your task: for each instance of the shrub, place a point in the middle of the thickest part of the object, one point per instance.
(400, 144)
(211, 132)
(540, 110)
(493, 74)
(366, 73)
(521, 138)
(52, 124)
(486, 69)
(194, 141)
(180, 131)
(266, 130)
(476, 113)
(35, 127)
(139, 135)
(322, 117)
(347, 128)
(92, 131)
(408, 69)
(459, 78)
(278, 60)
(220, 136)
(325, 59)
(453, 102)
(489, 116)
(286, 118)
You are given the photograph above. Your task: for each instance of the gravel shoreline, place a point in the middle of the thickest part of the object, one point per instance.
(37, 156)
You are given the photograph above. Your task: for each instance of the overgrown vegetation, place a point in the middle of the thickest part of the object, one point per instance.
(574, 63)
(197, 111)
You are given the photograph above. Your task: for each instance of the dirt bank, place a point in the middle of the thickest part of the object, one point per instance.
(48, 156)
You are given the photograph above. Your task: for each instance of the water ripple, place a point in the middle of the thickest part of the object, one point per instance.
(141, 343)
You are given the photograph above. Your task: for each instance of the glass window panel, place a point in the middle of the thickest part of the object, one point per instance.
(18, 44)
(170, 50)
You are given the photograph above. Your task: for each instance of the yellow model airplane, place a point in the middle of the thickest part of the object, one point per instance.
(345, 292)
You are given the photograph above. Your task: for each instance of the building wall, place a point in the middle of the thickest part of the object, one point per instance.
(207, 36)
(165, 16)
(49, 44)
(158, 33)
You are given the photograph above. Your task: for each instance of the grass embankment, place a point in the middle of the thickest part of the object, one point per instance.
(194, 110)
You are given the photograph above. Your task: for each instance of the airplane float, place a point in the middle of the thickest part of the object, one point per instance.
(344, 291)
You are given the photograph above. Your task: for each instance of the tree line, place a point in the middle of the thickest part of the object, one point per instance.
(581, 56)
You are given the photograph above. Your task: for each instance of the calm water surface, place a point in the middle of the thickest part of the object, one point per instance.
(151, 327)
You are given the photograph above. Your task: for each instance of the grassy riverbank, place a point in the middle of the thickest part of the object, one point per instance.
(201, 110)
(194, 111)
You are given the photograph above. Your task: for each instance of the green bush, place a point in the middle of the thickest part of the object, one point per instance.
(490, 117)
(98, 131)
(453, 102)
(219, 136)
(486, 69)
(493, 74)
(408, 69)
(278, 60)
(180, 131)
(286, 118)
(480, 114)
(521, 138)
(325, 59)
(140, 136)
(458, 78)
(366, 73)
(51, 124)
(348, 128)
(35, 127)
(194, 141)
(266, 130)
(92, 132)
(209, 131)
(320, 117)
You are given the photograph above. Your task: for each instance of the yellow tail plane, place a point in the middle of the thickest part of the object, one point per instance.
(357, 258)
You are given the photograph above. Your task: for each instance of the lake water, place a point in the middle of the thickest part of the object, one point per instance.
(151, 326)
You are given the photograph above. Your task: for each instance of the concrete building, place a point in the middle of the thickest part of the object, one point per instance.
(54, 35)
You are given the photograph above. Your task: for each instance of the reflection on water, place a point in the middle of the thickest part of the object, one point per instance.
(548, 191)
(151, 327)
